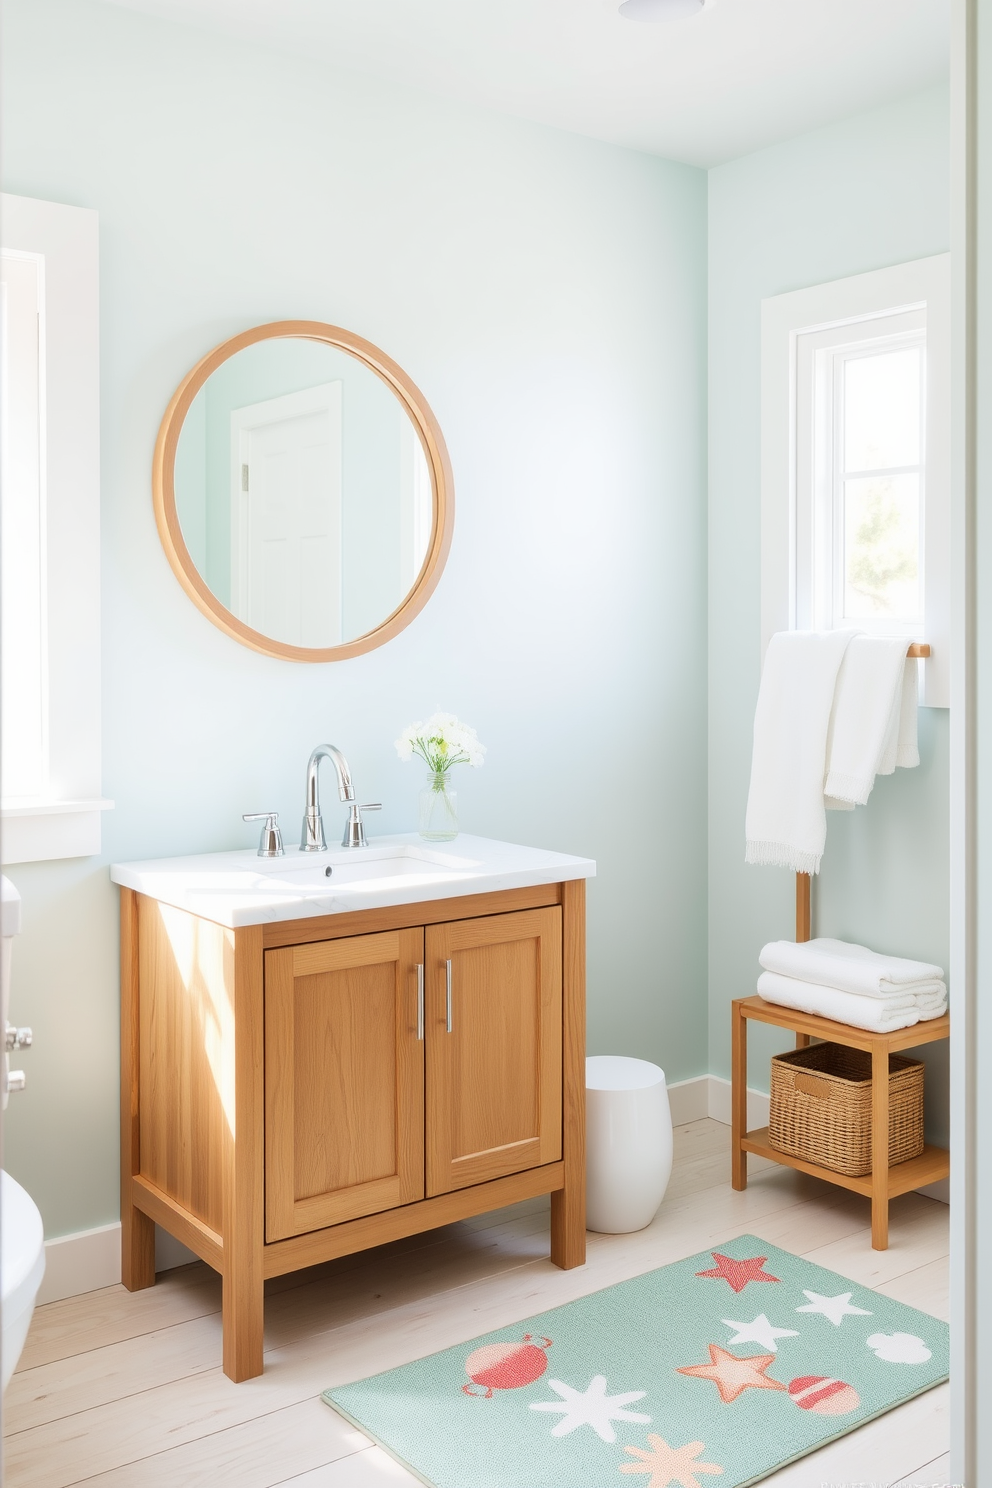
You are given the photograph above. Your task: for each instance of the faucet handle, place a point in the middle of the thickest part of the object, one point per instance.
(270, 843)
(354, 827)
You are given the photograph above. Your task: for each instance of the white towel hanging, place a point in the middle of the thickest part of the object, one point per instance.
(785, 822)
(866, 735)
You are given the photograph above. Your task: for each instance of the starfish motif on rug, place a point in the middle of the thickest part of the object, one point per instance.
(591, 1407)
(732, 1376)
(760, 1331)
(738, 1273)
(669, 1465)
(835, 1308)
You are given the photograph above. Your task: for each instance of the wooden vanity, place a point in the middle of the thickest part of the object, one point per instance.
(300, 1089)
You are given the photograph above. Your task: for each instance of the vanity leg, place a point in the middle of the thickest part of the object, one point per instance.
(244, 1214)
(137, 1248)
(242, 1309)
(879, 1147)
(137, 1230)
(568, 1204)
(568, 1227)
(738, 1098)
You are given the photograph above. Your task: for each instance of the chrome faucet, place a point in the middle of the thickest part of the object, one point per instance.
(313, 839)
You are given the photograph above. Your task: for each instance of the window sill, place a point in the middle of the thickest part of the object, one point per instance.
(37, 831)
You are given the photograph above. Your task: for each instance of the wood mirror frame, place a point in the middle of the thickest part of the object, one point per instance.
(428, 430)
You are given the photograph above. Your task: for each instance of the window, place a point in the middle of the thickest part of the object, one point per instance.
(50, 529)
(22, 528)
(855, 459)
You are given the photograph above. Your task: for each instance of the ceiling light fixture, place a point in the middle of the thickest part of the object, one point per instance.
(660, 10)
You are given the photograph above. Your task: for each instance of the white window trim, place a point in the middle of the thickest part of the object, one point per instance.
(925, 281)
(66, 822)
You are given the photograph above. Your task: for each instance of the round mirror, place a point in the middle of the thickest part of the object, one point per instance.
(303, 492)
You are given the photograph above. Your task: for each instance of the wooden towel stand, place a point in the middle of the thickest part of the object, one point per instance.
(882, 1183)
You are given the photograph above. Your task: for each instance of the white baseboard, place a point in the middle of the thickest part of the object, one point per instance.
(83, 1262)
(709, 1095)
(689, 1100)
(91, 1259)
(718, 1106)
(941, 1190)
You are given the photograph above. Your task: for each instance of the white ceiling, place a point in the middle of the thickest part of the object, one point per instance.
(738, 76)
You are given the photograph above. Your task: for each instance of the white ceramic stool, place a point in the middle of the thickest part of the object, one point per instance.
(628, 1142)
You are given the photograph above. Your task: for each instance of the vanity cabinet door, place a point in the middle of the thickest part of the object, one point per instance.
(494, 1064)
(344, 1081)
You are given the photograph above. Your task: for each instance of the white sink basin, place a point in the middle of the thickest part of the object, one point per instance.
(240, 888)
(357, 869)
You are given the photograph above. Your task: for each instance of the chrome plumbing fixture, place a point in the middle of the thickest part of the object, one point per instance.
(313, 839)
(354, 827)
(270, 843)
(15, 1038)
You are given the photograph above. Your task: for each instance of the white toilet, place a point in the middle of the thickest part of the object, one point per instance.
(22, 1252)
(628, 1143)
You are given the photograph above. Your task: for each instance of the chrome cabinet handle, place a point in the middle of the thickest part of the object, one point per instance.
(447, 974)
(420, 1000)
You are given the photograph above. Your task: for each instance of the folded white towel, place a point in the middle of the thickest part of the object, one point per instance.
(850, 967)
(867, 735)
(785, 822)
(875, 1013)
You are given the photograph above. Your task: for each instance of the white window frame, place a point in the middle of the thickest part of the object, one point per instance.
(64, 821)
(793, 327)
(23, 578)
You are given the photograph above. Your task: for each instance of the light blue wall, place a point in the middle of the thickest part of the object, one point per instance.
(547, 293)
(859, 195)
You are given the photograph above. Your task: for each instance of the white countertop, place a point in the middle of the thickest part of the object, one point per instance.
(240, 888)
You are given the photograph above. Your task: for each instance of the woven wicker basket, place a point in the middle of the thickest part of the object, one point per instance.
(821, 1107)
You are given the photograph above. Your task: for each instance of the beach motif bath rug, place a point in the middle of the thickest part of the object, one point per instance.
(708, 1373)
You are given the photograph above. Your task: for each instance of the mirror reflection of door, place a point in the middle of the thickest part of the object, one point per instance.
(286, 516)
(304, 493)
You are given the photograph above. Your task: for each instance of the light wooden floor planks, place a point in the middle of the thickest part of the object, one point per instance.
(122, 1391)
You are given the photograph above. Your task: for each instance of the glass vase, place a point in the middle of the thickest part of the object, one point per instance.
(438, 809)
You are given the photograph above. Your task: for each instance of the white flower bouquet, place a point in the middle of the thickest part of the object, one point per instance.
(441, 742)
